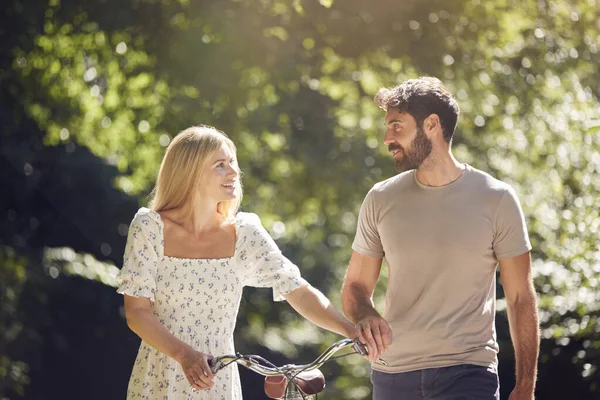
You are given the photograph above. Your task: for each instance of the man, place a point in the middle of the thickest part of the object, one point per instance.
(443, 228)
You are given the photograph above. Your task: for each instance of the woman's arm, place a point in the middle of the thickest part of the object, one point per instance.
(143, 322)
(315, 307)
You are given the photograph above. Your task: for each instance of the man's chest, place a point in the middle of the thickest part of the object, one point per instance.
(420, 229)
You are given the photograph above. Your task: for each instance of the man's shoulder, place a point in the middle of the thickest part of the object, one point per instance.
(396, 182)
(486, 182)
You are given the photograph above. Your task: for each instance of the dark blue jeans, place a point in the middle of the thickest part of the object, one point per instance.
(458, 382)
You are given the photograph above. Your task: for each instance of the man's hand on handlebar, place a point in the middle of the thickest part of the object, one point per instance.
(376, 333)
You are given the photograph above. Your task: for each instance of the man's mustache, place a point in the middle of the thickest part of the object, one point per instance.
(393, 147)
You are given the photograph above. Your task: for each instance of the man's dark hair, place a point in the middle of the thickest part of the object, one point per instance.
(420, 98)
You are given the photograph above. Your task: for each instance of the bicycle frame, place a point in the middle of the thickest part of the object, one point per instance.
(290, 371)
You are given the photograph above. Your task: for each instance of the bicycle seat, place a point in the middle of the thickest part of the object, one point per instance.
(310, 383)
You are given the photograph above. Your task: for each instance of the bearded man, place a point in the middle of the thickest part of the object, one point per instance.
(443, 228)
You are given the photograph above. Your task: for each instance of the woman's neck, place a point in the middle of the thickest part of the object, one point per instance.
(200, 218)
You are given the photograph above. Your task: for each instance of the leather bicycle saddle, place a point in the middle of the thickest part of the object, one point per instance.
(310, 383)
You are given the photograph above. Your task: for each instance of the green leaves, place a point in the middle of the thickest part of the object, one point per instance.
(292, 84)
(96, 90)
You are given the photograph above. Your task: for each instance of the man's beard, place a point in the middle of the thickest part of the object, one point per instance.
(419, 149)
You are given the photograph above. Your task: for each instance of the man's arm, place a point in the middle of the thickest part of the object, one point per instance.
(357, 303)
(521, 306)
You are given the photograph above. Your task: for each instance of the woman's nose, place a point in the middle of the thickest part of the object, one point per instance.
(232, 172)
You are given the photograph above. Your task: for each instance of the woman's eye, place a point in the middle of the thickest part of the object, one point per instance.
(220, 165)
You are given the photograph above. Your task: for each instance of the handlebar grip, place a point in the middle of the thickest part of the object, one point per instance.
(214, 364)
(360, 348)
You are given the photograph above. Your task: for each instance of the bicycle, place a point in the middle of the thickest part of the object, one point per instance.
(291, 382)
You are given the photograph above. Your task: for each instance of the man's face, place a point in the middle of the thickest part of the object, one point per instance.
(405, 140)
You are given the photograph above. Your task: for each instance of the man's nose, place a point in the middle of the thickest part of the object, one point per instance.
(388, 138)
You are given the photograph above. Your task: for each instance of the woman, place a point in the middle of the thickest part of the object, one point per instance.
(187, 260)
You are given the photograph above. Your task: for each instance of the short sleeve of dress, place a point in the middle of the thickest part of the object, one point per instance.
(142, 251)
(264, 264)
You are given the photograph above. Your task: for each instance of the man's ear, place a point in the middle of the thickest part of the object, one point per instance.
(432, 125)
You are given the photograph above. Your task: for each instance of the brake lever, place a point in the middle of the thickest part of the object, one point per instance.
(361, 349)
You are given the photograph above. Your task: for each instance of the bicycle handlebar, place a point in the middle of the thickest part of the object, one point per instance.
(300, 381)
(252, 362)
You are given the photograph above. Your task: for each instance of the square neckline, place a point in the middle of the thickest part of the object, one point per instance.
(162, 236)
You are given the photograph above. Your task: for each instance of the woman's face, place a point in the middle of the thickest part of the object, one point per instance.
(222, 176)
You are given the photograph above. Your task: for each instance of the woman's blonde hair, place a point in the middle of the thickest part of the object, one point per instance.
(184, 166)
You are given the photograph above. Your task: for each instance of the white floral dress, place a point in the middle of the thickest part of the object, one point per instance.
(197, 300)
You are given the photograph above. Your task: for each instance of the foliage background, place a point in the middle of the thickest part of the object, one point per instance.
(91, 92)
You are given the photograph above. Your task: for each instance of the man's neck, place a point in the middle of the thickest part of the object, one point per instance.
(440, 171)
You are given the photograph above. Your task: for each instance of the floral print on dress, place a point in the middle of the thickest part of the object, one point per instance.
(197, 300)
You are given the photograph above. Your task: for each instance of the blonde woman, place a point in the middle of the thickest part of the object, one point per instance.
(186, 262)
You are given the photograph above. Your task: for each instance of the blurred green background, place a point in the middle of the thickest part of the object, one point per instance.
(91, 93)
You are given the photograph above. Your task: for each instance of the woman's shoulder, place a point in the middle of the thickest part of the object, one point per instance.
(250, 224)
(146, 218)
(247, 219)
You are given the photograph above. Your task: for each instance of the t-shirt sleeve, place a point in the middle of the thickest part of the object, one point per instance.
(367, 241)
(265, 265)
(137, 276)
(511, 238)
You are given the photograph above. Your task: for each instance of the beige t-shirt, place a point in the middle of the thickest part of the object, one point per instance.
(442, 246)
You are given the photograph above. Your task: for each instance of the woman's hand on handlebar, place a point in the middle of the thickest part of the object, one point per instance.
(376, 333)
(196, 369)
